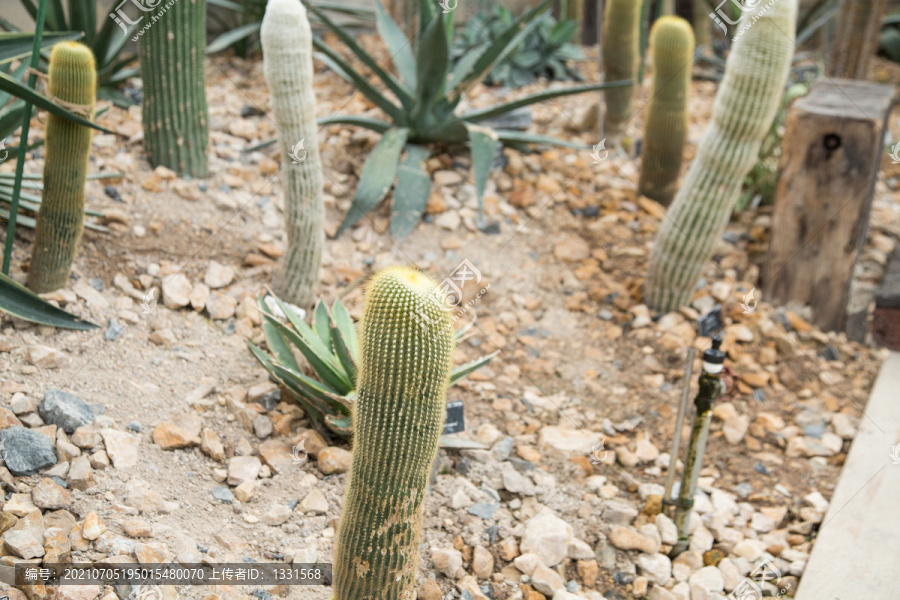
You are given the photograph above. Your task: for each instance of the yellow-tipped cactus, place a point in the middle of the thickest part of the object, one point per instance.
(748, 99)
(665, 128)
(60, 222)
(287, 52)
(173, 69)
(407, 346)
(620, 41)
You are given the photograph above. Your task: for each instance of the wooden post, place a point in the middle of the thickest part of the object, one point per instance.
(830, 158)
(856, 38)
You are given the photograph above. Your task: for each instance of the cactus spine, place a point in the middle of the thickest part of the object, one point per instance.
(407, 343)
(620, 42)
(287, 51)
(174, 111)
(746, 103)
(72, 79)
(665, 129)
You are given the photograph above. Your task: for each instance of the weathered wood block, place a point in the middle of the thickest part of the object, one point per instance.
(831, 155)
(886, 320)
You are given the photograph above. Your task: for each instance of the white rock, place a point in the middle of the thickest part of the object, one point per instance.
(547, 581)
(218, 275)
(548, 536)
(709, 578)
(46, 357)
(817, 501)
(308, 555)
(702, 539)
(515, 482)
(626, 538)
(580, 550)
(749, 549)
(844, 426)
(657, 567)
(658, 593)
(527, 562)
(315, 503)
(121, 447)
(447, 561)
(460, 499)
(735, 428)
(563, 443)
(176, 291)
(668, 533)
(731, 575)
(762, 523)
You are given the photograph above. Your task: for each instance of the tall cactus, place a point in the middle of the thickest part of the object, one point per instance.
(407, 344)
(665, 128)
(175, 116)
(287, 52)
(60, 223)
(621, 48)
(747, 101)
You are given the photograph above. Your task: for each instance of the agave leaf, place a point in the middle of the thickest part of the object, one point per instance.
(427, 14)
(340, 66)
(365, 122)
(377, 176)
(389, 80)
(14, 46)
(20, 90)
(522, 137)
(484, 146)
(398, 46)
(19, 301)
(432, 61)
(347, 327)
(314, 389)
(321, 323)
(342, 352)
(411, 192)
(495, 52)
(463, 371)
(233, 36)
(495, 111)
(300, 395)
(343, 426)
(278, 345)
(323, 362)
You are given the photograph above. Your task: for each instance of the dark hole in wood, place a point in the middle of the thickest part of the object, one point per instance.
(831, 142)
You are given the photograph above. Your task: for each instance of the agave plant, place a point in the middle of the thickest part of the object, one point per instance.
(107, 42)
(547, 52)
(428, 92)
(331, 348)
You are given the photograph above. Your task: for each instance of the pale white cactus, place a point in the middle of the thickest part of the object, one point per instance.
(287, 56)
(748, 98)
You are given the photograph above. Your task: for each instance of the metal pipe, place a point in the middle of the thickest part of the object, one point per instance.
(679, 424)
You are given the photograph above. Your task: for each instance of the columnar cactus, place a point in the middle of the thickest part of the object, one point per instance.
(665, 128)
(60, 223)
(407, 343)
(175, 116)
(620, 40)
(702, 24)
(746, 103)
(287, 52)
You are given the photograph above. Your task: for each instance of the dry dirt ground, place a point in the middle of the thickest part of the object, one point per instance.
(565, 266)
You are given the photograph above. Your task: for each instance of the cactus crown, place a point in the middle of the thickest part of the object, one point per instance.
(72, 73)
(671, 37)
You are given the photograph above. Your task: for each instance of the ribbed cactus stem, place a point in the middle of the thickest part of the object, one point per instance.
(407, 343)
(174, 112)
(746, 103)
(665, 127)
(60, 222)
(620, 41)
(287, 52)
(702, 24)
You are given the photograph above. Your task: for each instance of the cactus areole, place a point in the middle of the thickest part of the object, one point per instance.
(407, 345)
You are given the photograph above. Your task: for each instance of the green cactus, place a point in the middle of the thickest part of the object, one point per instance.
(72, 79)
(665, 128)
(287, 51)
(174, 112)
(407, 346)
(702, 25)
(620, 42)
(748, 99)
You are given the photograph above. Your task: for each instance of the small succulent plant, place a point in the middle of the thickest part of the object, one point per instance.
(330, 345)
